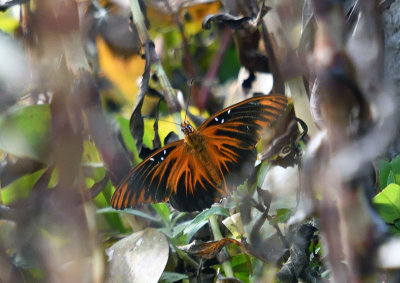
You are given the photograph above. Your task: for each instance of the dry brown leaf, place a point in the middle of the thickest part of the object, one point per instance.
(208, 250)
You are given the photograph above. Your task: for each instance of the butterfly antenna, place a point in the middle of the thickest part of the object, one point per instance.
(190, 84)
(160, 120)
(166, 121)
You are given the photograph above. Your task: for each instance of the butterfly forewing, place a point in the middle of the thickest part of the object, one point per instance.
(257, 112)
(231, 135)
(145, 183)
(193, 179)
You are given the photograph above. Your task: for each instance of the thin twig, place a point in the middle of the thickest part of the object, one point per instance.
(98, 187)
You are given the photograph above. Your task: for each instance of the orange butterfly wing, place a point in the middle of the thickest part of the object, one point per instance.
(177, 173)
(142, 185)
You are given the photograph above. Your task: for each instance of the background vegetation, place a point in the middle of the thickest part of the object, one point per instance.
(89, 88)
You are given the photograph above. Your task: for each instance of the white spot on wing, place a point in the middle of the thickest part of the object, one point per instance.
(162, 158)
(165, 152)
(223, 120)
(152, 159)
(229, 111)
(216, 119)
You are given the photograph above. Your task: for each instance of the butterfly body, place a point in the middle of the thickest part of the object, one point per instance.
(199, 170)
(196, 145)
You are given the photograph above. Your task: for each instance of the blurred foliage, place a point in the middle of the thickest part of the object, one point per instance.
(8, 22)
(20, 138)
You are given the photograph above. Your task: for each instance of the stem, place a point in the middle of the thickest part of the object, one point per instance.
(226, 265)
(281, 236)
(185, 257)
(138, 20)
(236, 199)
(168, 91)
(215, 228)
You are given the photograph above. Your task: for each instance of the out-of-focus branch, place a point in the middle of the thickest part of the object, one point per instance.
(114, 158)
(7, 213)
(345, 177)
(285, 62)
(8, 272)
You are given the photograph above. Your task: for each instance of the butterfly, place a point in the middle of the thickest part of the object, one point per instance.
(195, 172)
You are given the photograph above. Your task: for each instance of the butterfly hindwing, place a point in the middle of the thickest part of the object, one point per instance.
(170, 173)
(194, 187)
(207, 190)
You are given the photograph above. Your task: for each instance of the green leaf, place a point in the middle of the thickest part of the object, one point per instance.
(192, 229)
(108, 192)
(169, 277)
(230, 65)
(283, 215)
(384, 170)
(176, 217)
(393, 229)
(8, 22)
(113, 220)
(262, 172)
(102, 200)
(90, 152)
(214, 210)
(175, 232)
(94, 171)
(239, 261)
(387, 203)
(243, 277)
(390, 179)
(148, 133)
(162, 210)
(127, 137)
(178, 229)
(397, 225)
(128, 211)
(25, 132)
(396, 169)
(54, 178)
(164, 128)
(201, 219)
(20, 188)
